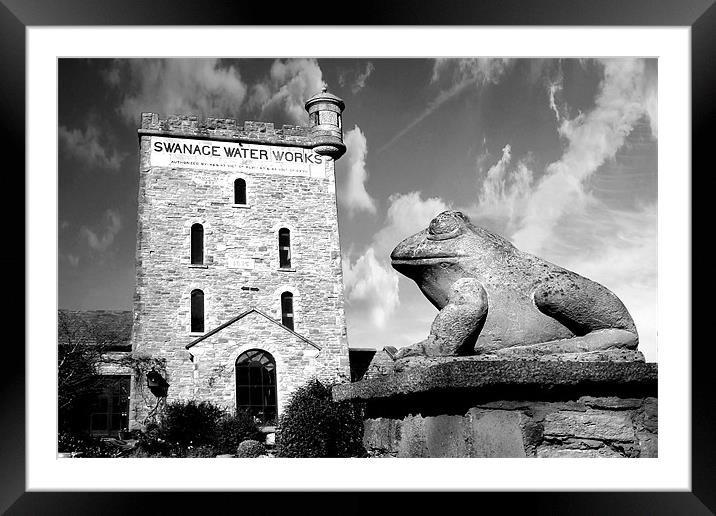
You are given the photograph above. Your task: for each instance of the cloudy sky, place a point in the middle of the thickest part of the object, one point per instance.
(558, 155)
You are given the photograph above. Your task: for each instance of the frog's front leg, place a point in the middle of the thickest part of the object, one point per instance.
(457, 326)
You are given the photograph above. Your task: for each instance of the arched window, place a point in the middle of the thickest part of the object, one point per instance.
(197, 311)
(197, 244)
(284, 248)
(256, 385)
(287, 310)
(239, 191)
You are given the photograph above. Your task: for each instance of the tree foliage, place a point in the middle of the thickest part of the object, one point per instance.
(82, 348)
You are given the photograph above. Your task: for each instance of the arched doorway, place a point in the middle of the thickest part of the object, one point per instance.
(256, 385)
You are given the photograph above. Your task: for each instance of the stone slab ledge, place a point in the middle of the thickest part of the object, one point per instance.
(469, 374)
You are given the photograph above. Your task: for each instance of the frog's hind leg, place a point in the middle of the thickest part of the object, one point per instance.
(596, 316)
(599, 340)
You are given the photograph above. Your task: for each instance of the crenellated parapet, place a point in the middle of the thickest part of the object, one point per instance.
(229, 129)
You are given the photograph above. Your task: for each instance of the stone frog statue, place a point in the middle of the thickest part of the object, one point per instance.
(496, 299)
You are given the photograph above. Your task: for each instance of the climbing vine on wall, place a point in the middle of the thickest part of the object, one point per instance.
(140, 364)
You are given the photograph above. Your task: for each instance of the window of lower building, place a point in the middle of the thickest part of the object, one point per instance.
(103, 410)
(256, 385)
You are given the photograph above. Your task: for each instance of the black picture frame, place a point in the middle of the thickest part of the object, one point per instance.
(700, 15)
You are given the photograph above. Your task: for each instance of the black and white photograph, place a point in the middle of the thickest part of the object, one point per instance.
(371, 258)
(357, 259)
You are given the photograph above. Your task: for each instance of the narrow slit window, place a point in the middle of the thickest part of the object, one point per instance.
(197, 311)
(284, 248)
(239, 191)
(287, 310)
(197, 244)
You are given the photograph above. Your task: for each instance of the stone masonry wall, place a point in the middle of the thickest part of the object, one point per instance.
(587, 427)
(172, 199)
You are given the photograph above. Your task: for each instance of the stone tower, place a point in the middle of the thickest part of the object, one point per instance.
(238, 270)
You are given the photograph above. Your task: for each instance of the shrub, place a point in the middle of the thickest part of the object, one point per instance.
(151, 443)
(191, 423)
(250, 448)
(234, 429)
(313, 425)
(86, 445)
(199, 452)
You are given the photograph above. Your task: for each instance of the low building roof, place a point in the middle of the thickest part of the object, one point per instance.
(111, 328)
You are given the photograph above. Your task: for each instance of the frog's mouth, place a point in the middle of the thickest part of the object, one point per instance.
(420, 251)
(424, 269)
(427, 260)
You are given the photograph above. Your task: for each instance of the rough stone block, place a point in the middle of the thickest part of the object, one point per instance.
(648, 444)
(553, 452)
(495, 433)
(412, 438)
(611, 402)
(445, 436)
(592, 424)
(381, 435)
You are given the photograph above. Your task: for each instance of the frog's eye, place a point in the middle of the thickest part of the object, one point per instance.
(444, 226)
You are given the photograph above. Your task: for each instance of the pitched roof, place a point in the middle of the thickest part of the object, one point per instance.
(241, 316)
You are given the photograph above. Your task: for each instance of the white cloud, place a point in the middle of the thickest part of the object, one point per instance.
(651, 91)
(478, 70)
(504, 191)
(362, 77)
(356, 80)
(85, 146)
(291, 82)
(460, 74)
(177, 86)
(73, 260)
(101, 240)
(353, 174)
(553, 89)
(373, 284)
(592, 139)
